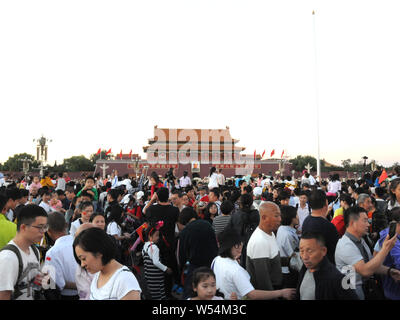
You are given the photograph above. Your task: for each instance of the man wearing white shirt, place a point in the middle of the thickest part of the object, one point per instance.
(114, 179)
(303, 209)
(61, 257)
(45, 202)
(185, 180)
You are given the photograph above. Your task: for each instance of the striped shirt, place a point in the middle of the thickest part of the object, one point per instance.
(220, 222)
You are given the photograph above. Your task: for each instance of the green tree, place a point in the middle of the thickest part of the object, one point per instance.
(57, 167)
(78, 163)
(300, 162)
(15, 162)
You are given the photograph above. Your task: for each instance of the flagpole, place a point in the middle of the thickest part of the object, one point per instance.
(316, 99)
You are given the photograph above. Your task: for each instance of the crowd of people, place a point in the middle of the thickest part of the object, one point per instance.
(180, 238)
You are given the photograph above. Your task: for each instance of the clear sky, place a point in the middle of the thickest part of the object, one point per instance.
(91, 74)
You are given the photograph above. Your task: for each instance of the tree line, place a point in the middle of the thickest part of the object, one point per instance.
(82, 163)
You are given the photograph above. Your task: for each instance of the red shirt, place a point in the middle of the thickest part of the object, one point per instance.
(338, 222)
(136, 212)
(159, 185)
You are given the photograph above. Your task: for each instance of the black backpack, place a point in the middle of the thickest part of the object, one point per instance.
(17, 290)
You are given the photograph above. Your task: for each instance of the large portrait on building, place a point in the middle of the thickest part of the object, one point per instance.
(195, 166)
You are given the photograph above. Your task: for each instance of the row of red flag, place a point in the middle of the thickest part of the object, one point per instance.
(272, 153)
(130, 153)
(109, 151)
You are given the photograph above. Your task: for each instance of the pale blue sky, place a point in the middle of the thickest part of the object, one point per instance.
(92, 74)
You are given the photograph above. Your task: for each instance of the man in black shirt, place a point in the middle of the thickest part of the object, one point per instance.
(164, 211)
(317, 222)
(197, 246)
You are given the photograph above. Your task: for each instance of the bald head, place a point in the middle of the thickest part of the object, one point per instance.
(267, 208)
(84, 226)
(270, 217)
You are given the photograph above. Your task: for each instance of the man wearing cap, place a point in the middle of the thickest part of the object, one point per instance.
(257, 192)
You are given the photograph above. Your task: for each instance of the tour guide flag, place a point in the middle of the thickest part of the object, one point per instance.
(272, 153)
(383, 176)
(108, 152)
(98, 152)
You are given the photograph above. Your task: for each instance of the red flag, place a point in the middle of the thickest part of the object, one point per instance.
(139, 230)
(282, 153)
(98, 152)
(120, 155)
(254, 154)
(383, 176)
(130, 154)
(263, 154)
(272, 153)
(108, 152)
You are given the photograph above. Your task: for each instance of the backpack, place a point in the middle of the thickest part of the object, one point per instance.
(17, 290)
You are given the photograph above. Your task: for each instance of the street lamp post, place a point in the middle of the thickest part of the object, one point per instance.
(365, 162)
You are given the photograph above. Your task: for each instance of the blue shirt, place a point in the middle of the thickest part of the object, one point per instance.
(288, 242)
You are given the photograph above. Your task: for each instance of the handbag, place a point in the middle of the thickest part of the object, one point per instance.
(295, 262)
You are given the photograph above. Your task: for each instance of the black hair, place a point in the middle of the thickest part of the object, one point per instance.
(115, 215)
(228, 238)
(70, 189)
(207, 214)
(186, 215)
(394, 214)
(150, 230)
(60, 192)
(90, 178)
(212, 170)
(114, 193)
(28, 214)
(227, 207)
(248, 189)
(216, 192)
(283, 195)
(85, 193)
(235, 195)
(95, 214)
(314, 235)
(380, 192)
(56, 222)
(245, 202)
(3, 201)
(352, 213)
(85, 204)
(163, 194)
(155, 176)
(12, 193)
(288, 213)
(317, 199)
(23, 193)
(201, 274)
(95, 241)
(393, 185)
(335, 177)
(347, 198)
